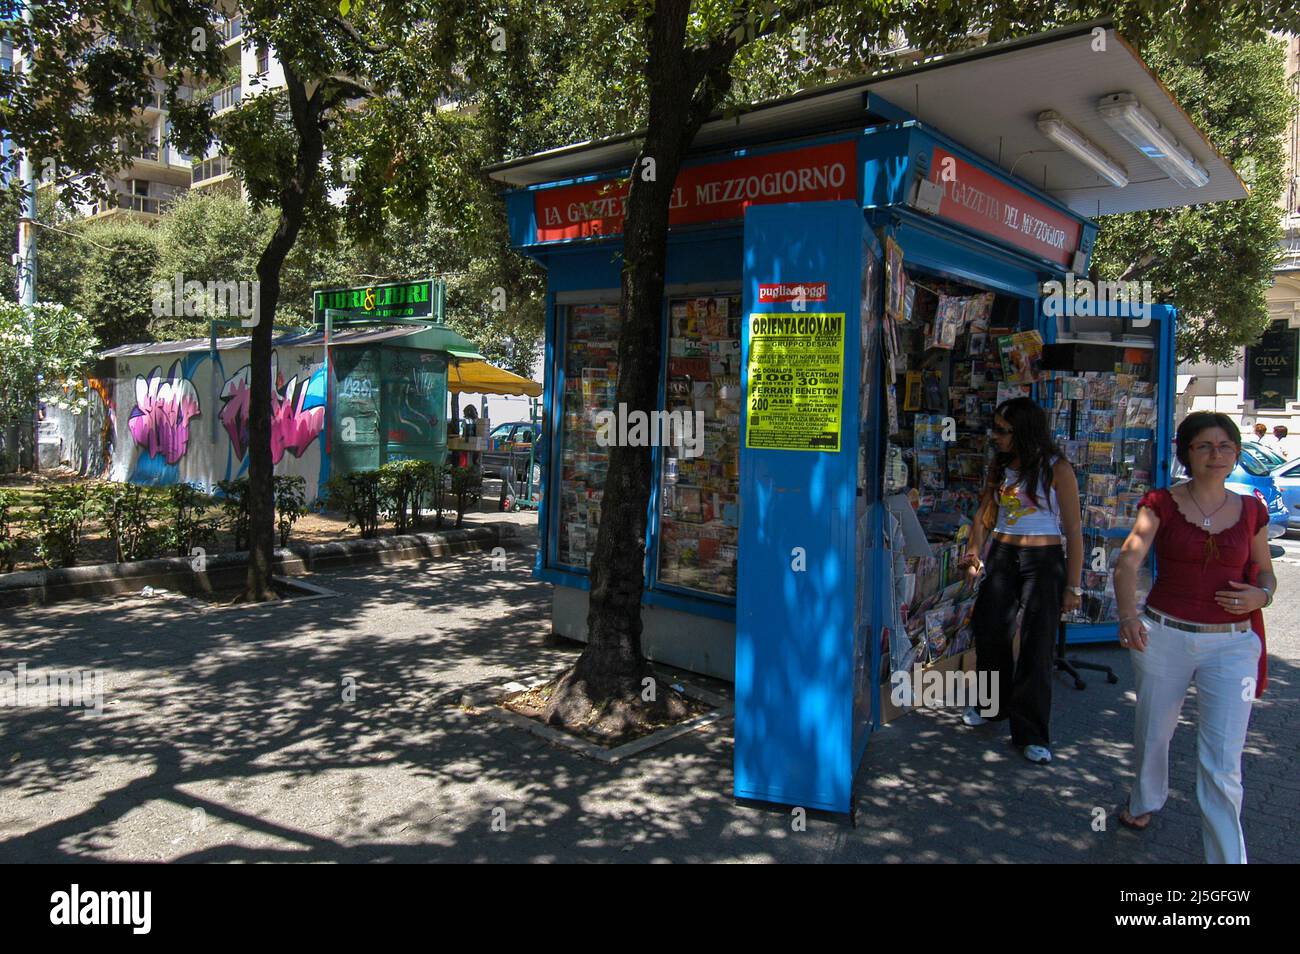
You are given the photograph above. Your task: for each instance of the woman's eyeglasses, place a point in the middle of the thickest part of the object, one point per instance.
(1001, 431)
(1205, 447)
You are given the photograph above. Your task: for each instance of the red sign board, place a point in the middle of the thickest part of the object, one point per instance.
(793, 291)
(709, 193)
(983, 202)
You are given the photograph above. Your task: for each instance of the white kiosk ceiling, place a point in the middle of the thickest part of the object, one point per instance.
(990, 100)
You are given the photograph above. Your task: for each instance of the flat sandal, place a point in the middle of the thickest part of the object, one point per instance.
(1132, 823)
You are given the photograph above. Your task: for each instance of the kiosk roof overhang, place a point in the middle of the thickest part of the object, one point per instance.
(988, 99)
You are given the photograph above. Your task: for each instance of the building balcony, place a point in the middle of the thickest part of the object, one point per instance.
(209, 170)
(163, 164)
(230, 29)
(147, 206)
(226, 98)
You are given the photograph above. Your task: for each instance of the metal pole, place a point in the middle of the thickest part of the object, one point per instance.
(27, 243)
(27, 214)
(212, 367)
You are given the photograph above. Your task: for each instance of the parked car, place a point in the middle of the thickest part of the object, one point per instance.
(1269, 455)
(508, 450)
(1252, 475)
(1286, 477)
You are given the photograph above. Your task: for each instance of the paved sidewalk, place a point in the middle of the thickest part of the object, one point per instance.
(226, 737)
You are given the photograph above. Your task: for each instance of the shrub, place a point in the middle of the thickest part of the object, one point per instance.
(60, 519)
(234, 507)
(466, 487)
(399, 483)
(128, 512)
(429, 487)
(358, 495)
(187, 504)
(10, 539)
(437, 492)
(290, 504)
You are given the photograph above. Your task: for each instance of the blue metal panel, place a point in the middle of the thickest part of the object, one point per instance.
(698, 257)
(887, 170)
(929, 244)
(521, 219)
(874, 571)
(581, 269)
(549, 449)
(710, 607)
(1167, 368)
(795, 630)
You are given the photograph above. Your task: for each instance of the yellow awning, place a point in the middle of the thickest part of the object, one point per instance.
(479, 377)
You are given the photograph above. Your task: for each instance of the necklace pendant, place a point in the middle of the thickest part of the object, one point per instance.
(1206, 523)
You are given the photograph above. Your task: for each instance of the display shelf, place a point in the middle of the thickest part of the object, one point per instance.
(699, 516)
(952, 353)
(1093, 415)
(590, 377)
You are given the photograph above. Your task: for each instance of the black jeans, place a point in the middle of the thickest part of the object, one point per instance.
(1016, 576)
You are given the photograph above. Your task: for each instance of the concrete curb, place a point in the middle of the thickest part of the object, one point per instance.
(485, 702)
(42, 587)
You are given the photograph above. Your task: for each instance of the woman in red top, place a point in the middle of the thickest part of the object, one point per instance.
(1201, 623)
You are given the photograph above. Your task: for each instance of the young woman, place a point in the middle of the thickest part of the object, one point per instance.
(1201, 623)
(1031, 501)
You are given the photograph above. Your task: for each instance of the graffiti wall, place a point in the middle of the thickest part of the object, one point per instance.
(181, 417)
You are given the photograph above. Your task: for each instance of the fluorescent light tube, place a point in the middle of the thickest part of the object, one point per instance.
(1139, 126)
(1051, 125)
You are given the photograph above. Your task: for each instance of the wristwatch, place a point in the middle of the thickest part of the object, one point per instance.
(1076, 590)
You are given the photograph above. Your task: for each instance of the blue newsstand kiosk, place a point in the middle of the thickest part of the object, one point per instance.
(769, 555)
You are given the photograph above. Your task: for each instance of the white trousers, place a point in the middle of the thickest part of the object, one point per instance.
(1224, 667)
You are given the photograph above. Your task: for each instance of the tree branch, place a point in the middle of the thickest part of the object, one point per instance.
(356, 36)
(705, 60)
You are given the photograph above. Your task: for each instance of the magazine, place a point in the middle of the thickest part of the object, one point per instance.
(895, 279)
(1021, 354)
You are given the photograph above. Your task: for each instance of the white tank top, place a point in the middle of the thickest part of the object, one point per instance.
(1019, 514)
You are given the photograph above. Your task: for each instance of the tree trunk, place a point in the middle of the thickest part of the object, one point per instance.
(612, 665)
(293, 202)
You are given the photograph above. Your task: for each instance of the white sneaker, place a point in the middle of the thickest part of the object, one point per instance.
(971, 716)
(1039, 754)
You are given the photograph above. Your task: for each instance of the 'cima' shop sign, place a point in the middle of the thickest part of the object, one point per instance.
(1271, 367)
(715, 192)
(979, 201)
(399, 300)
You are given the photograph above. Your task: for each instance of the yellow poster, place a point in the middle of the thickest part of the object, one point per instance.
(796, 377)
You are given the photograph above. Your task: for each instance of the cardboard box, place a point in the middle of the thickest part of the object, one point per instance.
(962, 662)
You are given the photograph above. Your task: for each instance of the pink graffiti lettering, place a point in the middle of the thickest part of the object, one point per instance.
(297, 416)
(160, 420)
(293, 426)
(235, 395)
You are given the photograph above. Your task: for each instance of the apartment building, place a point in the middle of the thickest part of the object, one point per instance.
(161, 171)
(1261, 384)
